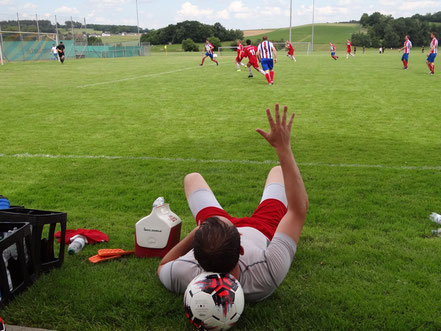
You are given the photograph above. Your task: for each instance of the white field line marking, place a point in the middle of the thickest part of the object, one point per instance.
(170, 159)
(137, 77)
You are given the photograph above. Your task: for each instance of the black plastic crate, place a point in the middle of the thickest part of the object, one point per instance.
(45, 255)
(17, 270)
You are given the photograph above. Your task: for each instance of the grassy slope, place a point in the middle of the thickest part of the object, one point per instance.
(323, 33)
(364, 260)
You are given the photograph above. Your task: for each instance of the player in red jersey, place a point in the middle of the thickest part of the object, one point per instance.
(432, 53)
(250, 52)
(332, 50)
(349, 50)
(239, 56)
(406, 48)
(290, 51)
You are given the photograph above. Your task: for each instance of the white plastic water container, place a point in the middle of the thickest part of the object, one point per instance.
(157, 233)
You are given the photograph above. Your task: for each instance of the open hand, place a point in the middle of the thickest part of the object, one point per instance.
(280, 132)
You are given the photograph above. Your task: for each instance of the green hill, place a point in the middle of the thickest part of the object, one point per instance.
(323, 33)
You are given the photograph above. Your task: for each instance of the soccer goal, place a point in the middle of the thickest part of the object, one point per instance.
(25, 46)
(227, 50)
(300, 47)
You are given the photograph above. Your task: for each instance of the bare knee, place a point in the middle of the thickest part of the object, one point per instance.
(191, 177)
(193, 182)
(275, 176)
(277, 168)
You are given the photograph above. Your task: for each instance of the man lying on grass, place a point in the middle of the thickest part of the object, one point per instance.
(257, 250)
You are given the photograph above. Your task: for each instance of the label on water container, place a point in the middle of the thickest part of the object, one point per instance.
(153, 231)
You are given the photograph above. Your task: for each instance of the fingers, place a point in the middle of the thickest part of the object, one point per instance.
(270, 118)
(285, 110)
(290, 121)
(262, 133)
(277, 113)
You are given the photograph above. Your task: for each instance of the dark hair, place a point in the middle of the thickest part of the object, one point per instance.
(248, 42)
(217, 246)
(265, 38)
(434, 34)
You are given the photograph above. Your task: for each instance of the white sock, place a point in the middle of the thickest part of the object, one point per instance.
(237, 65)
(261, 71)
(294, 59)
(249, 69)
(243, 65)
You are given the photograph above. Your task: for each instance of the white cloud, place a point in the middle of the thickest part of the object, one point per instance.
(348, 2)
(64, 10)
(223, 14)
(29, 5)
(188, 10)
(237, 7)
(331, 11)
(5, 2)
(412, 5)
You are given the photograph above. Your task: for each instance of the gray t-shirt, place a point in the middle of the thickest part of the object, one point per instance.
(263, 266)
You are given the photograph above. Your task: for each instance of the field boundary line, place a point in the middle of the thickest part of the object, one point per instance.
(170, 159)
(137, 77)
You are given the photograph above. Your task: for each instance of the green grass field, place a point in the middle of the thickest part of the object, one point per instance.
(366, 137)
(324, 33)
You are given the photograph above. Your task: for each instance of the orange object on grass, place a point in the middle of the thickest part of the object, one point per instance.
(108, 254)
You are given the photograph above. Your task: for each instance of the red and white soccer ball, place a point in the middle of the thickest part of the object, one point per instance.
(214, 301)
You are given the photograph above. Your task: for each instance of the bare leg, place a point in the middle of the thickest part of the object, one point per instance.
(275, 176)
(274, 186)
(194, 182)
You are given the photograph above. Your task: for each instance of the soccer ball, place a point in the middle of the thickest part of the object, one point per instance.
(215, 55)
(214, 301)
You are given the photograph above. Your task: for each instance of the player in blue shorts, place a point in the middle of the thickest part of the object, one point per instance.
(267, 55)
(432, 53)
(406, 48)
(208, 52)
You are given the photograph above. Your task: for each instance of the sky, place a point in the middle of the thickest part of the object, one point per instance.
(232, 14)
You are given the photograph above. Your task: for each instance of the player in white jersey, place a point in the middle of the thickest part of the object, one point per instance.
(208, 52)
(406, 48)
(257, 250)
(432, 53)
(54, 52)
(267, 55)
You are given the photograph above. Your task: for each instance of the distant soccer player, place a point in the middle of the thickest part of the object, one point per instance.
(267, 55)
(332, 50)
(239, 56)
(349, 49)
(290, 51)
(208, 52)
(250, 51)
(432, 53)
(60, 50)
(406, 48)
(54, 52)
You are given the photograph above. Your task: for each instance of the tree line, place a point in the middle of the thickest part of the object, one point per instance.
(196, 31)
(46, 26)
(386, 31)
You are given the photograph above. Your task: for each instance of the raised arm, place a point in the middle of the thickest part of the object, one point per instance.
(182, 248)
(279, 137)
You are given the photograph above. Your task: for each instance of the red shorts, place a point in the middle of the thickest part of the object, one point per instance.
(239, 59)
(254, 64)
(291, 52)
(265, 218)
